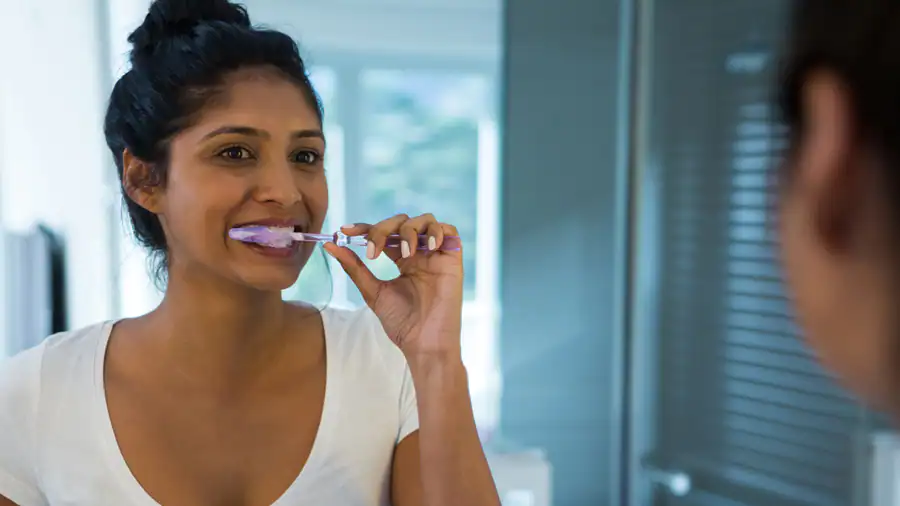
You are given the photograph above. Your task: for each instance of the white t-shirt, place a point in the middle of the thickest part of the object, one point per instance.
(57, 445)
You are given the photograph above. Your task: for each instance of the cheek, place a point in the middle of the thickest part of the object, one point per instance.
(197, 207)
(801, 280)
(835, 320)
(315, 198)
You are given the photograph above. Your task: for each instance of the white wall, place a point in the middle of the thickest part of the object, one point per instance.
(427, 28)
(53, 159)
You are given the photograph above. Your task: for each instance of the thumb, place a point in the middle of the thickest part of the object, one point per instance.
(356, 270)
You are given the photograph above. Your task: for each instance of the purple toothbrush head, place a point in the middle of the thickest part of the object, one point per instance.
(273, 237)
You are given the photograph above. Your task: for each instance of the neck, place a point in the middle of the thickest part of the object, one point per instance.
(217, 331)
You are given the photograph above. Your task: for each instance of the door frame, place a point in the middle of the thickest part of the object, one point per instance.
(642, 294)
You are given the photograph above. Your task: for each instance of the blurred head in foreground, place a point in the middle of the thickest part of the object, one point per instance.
(839, 192)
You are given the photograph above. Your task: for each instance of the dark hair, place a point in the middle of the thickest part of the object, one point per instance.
(858, 41)
(180, 57)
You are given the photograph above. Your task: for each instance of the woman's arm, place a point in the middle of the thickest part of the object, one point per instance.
(442, 464)
(421, 312)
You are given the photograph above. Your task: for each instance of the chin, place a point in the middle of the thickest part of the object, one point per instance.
(860, 361)
(269, 281)
(871, 385)
(268, 278)
(271, 269)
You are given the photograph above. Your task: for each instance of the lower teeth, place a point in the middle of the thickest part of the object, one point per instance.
(274, 245)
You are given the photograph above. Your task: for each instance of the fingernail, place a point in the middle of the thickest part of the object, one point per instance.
(432, 243)
(404, 249)
(346, 227)
(370, 250)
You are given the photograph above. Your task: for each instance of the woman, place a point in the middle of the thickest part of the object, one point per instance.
(839, 214)
(224, 394)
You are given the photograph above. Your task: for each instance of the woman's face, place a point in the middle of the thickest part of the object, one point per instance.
(254, 156)
(835, 234)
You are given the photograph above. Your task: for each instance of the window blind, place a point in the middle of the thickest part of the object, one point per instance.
(744, 408)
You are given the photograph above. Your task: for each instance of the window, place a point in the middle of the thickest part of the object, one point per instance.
(429, 144)
(420, 150)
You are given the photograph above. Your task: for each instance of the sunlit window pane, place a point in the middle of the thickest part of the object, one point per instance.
(420, 150)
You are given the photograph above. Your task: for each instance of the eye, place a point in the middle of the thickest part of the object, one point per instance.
(306, 157)
(235, 153)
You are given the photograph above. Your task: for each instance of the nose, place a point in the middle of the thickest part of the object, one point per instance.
(276, 185)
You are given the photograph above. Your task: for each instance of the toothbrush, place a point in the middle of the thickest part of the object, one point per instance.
(282, 237)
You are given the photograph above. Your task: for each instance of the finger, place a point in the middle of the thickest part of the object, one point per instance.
(410, 231)
(356, 229)
(357, 271)
(451, 231)
(435, 235)
(377, 235)
(360, 229)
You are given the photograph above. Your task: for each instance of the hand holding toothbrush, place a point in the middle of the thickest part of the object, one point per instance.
(420, 310)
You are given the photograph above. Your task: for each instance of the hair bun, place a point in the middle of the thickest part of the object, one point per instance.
(168, 19)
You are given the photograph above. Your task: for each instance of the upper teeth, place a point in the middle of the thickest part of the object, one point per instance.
(275, 229)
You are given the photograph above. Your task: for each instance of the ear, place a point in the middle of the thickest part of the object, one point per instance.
(142, 182)
(832, 170)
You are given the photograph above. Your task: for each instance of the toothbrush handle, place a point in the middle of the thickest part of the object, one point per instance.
(451, 242)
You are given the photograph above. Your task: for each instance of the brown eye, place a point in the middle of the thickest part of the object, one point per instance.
(235, 153)
(306, 157)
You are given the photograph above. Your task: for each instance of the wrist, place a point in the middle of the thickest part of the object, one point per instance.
(442, 358)
(435, 364)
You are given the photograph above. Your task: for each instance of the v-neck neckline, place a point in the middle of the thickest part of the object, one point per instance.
(129, 483)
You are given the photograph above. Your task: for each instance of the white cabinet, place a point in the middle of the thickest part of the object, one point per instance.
(523, 478)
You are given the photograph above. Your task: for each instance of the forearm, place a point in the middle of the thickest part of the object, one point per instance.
(453, 466)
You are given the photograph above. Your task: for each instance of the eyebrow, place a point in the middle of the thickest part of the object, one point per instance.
(255, 132)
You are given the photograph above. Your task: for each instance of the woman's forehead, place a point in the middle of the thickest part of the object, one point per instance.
(275, 106)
